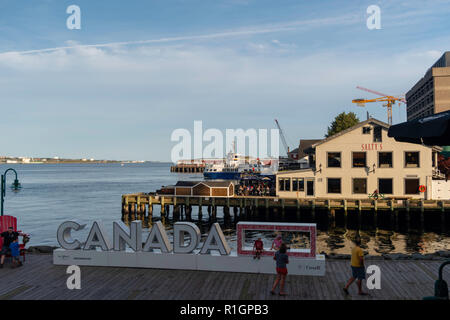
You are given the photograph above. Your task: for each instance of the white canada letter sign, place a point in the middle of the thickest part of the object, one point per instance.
(128, 248)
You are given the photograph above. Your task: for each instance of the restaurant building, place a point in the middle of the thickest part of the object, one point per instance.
(357, 161)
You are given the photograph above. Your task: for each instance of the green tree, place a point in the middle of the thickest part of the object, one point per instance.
(341, 122)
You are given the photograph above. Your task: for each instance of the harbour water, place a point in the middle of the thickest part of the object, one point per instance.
(54, 193)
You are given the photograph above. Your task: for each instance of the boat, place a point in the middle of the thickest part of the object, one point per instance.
(235, 166)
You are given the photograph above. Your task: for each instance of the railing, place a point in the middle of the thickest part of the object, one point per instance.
(438, 174)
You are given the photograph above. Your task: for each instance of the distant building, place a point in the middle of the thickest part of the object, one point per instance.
(299, 155)
(431, 94)
(359, 160)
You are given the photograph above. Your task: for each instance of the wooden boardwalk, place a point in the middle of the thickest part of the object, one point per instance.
(40, 279)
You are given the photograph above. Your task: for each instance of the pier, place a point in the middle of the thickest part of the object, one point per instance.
(188, 168)
(40, 279)
(141, 206)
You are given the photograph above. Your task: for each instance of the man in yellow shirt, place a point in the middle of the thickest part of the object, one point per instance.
(358, 270)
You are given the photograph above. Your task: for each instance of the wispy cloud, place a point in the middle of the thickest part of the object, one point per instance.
(247, 31)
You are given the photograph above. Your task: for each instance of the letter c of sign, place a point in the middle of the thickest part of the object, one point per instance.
(64, 238)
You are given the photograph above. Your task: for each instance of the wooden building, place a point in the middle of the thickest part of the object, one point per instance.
(357, 161)
(203, 188)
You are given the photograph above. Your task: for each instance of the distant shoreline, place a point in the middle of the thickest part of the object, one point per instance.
(83, 162)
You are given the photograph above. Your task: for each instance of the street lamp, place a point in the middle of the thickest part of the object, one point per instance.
(15, 186)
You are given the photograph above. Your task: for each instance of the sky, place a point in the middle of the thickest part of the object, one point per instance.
(137, 70)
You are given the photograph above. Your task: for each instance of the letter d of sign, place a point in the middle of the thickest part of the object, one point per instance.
(97, 238)
(216, 241)
(180, 229)
(133, 239)
(157, 239)
(64, 237)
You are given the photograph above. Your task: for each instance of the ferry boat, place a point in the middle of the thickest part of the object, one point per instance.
(235, 166)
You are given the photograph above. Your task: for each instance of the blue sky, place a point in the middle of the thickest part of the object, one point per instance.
(232, 64)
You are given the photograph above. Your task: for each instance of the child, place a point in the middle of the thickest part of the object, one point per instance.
(258, 248)
(357, 264)
(282, 260)
(276, 244)
(15, 252)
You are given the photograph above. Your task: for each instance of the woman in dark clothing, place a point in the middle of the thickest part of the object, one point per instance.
(282, 260)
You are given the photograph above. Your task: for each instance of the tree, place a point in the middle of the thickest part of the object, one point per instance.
(341, 122)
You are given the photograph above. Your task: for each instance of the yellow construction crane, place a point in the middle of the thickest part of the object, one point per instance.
(390, 101)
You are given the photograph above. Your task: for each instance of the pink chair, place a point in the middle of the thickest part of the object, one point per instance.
(5, 223)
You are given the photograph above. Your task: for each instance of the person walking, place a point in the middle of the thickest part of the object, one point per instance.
(357, 266)
(282, 259)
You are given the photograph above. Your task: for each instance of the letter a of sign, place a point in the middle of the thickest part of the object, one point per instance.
(74, 20)
(97, 238)
(74, 281)
(216, 241)
(157, 239)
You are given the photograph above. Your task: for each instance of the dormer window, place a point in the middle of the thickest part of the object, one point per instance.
(377, 134)
(366, 130)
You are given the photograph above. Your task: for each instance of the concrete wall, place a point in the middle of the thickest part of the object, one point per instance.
(440, 190)
(441, 89)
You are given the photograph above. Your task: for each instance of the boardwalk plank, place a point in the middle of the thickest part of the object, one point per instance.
(40, 279)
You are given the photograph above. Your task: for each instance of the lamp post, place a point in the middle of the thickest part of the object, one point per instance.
(15, 186)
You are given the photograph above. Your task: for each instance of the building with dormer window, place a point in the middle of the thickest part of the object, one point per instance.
(357, 161)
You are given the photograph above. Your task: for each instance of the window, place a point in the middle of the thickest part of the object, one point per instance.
(377, 134)
(384, 159)
(298, 185)
(411, 159)
(359, 159)
(334, 185)
(366, 130)
(412, 186)
(334, 159)
(360, 185)
(284, 184)
(385, 186)
(310, 187)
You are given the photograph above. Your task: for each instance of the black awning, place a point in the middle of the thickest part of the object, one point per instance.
(432, 130)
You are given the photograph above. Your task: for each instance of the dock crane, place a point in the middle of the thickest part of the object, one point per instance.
(283, 139)
(390, 101)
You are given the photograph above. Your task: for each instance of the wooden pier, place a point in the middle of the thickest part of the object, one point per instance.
(188, 168)
(141, 207)
(40, 279)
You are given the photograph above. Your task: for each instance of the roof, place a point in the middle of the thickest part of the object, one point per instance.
(217, 184)
(294, 171)
(305, 144)
(186, 183)
(356, 126)
(211, 184)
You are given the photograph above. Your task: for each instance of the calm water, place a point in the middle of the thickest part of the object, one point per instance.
(52, 194)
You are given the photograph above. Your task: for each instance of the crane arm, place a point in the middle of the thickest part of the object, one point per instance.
(283, 139)
(380, 94)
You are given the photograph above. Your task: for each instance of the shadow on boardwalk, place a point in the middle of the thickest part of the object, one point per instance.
(40, 279)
